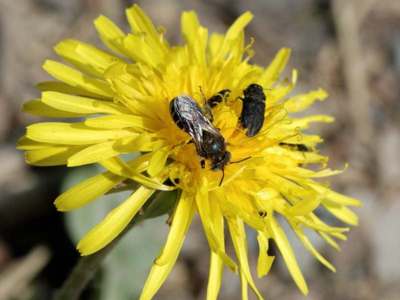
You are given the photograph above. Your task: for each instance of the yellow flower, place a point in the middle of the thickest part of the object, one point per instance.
(121, 98)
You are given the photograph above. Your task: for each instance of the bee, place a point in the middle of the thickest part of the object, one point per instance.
(217, 98)
(209, 142)
(213, 102)
(252, 115)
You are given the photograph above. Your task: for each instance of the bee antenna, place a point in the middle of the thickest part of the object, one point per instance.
(222, 178)
(240, 160)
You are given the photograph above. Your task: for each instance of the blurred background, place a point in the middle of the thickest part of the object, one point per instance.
(350, 48)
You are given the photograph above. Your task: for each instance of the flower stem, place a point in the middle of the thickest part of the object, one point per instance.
(161, 203)
(82, 273)
(86, 268)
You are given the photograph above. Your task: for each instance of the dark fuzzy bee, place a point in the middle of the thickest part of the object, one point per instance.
(209, 142)
(252, 115)
(213, 102)
(217, 98)
(298, 147)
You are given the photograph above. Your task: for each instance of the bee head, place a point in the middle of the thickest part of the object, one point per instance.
(219, 161)
(253, 89)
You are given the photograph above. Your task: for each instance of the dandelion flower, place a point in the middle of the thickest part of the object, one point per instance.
(120, 100)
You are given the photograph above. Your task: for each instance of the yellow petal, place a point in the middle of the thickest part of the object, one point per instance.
(119, 167)
(203, 208)
(141, 143)
(304, 123)
(180, 224)
(27, 144)
(343, 213)
(126, 169)
(151, 182)
(140, 163)
(102, 151)
(281, 90)
(92, 154)
(111, 35)
(77, 79)
(332, 197)
(215, 43)
(338, 235)
(238, 235)
(265, 261)
(275, 68)
(301, 102)
(326, 173)
(304, 206)
(310, 141)
(244, 286)
(231, 207)
(331, 242)
(195, 37)
(141, 23)
(287, 253)
(158, 161)
(80, 105)
(214, 276)
(118, 122)
(114, 223)
(84, 56)
(234, 32)
(309, 246)
(238, 26)
(86, 191)
(50, 156)
(317, 224)
(141, 51)
(38, 108)
(72, 134)
(61, 87)
(216, 263)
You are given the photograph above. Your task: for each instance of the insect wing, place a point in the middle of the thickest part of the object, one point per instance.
(189, 117)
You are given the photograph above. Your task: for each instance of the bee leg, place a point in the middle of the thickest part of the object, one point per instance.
(208, 112)
(222, 178)
(203, 163)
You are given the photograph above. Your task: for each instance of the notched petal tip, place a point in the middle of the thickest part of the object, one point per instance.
(59, 204)
(114, 223)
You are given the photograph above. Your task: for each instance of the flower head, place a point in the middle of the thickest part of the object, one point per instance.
(121, 99)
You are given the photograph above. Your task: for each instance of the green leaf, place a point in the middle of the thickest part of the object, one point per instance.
(160, 204)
